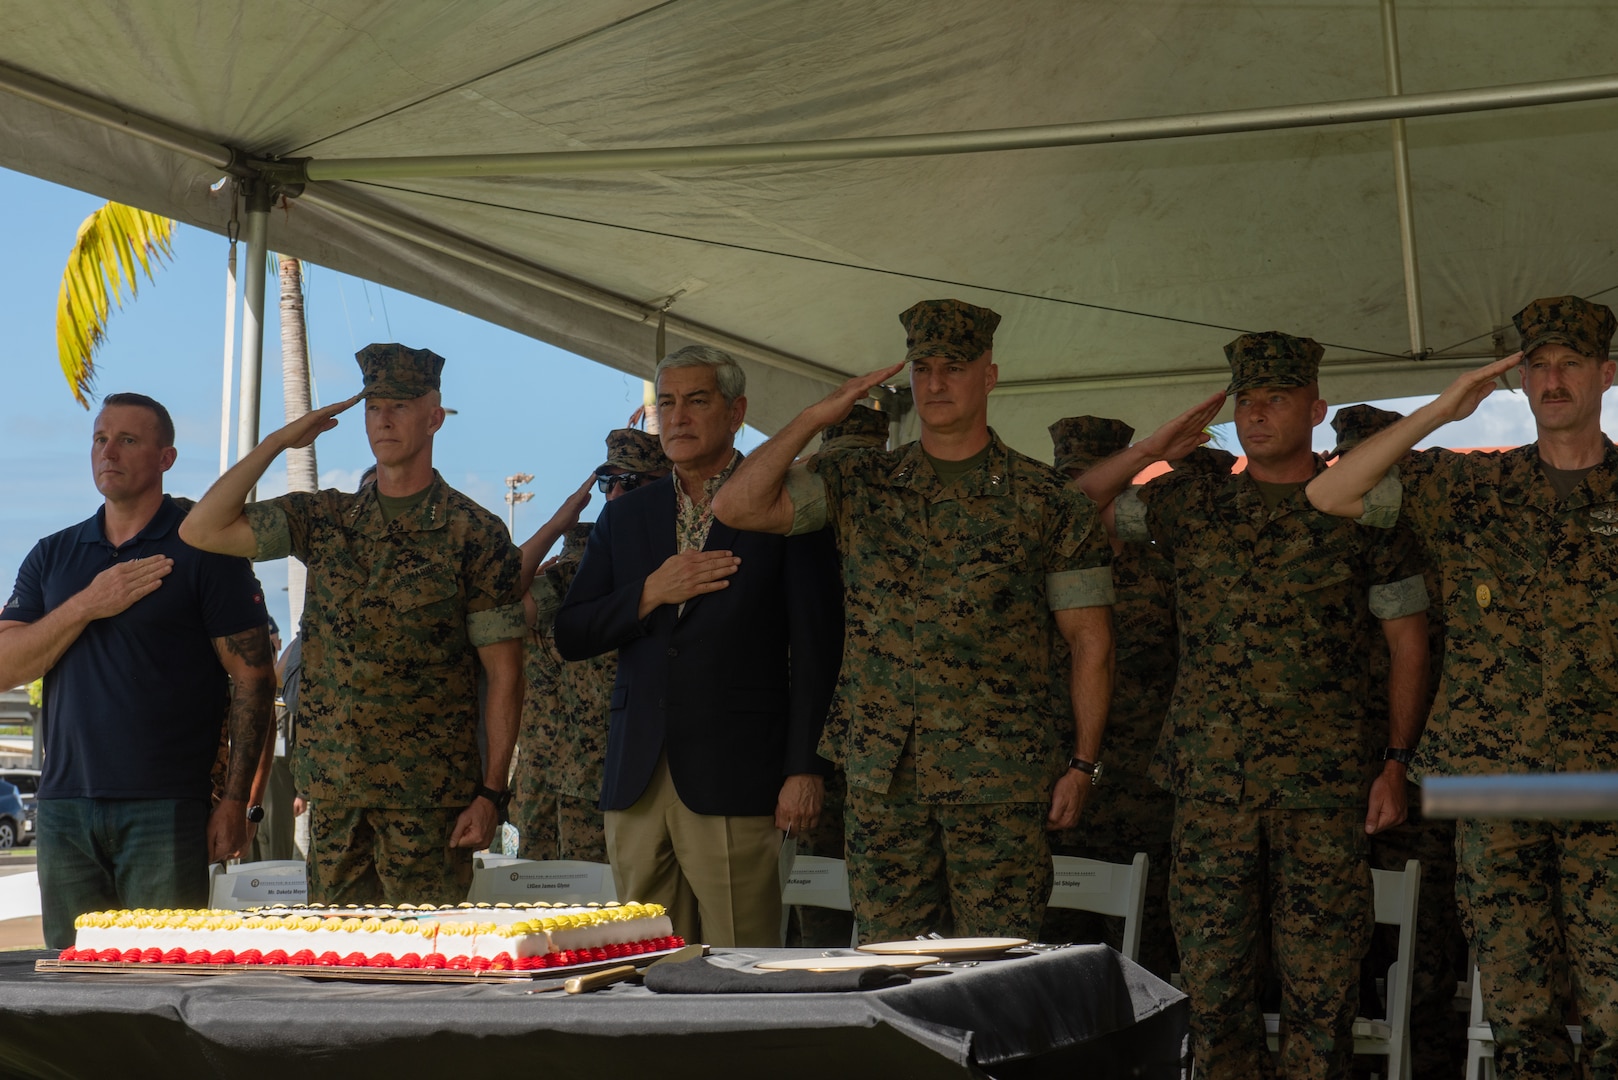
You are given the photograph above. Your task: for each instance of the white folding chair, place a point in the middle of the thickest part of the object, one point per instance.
(1106, 889)
(1396, 893)
(1480, 1038)
(500, 879)
(819, 882)
(259, 884)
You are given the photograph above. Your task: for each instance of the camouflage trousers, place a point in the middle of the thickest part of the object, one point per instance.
(1115, 825)
(973, 869)
(364, 855)
(1298, 878)
(581, 829)
(1437, 1028)
(1540, 903)
(534, 813)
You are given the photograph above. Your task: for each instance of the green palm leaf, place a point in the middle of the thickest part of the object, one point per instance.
(112, 243)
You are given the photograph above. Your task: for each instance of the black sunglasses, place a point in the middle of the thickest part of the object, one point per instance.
(629, 481)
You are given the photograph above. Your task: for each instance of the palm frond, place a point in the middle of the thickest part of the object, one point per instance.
(113, 243)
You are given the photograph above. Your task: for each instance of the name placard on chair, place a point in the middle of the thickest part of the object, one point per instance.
(541, 884)
(1092, 877)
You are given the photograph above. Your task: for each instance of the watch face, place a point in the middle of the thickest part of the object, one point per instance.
(255, 814)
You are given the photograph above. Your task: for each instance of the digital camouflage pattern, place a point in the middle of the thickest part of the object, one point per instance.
(394, 371)
(1079, 442)
(1530, 684)
(815, 927)
(1269, 751)
(1356, 423)
(1272, 359)
(1241, 875)
(1127, 812)
(952, 329)
(634, 450)
(1581, 325)
(565, 719)
(1525, 887)
(393, 617)
(864, 428)
(1258, 720)
(994, 883)
(367, 855)
(1207, 461)
(948, 620)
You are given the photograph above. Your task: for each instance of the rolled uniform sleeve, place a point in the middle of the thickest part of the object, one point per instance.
(1079, 573)
(1382, 502)
(1398, 580)
(1129, 518)
(281, 526)
(1396, 599)
(810, 499)
(494, 593)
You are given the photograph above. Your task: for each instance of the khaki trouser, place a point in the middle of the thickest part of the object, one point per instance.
(719, 877)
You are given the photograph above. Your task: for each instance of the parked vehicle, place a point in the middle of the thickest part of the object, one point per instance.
(16, 820)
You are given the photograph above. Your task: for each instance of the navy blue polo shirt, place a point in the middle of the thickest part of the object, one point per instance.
(133, 709)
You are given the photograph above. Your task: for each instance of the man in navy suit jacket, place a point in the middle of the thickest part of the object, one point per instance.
(728, 648)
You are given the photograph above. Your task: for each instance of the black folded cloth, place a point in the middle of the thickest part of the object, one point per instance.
(701, 977)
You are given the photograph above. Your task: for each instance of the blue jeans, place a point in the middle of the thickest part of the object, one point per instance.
(99, 854)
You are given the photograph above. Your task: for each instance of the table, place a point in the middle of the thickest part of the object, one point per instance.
(1083, 1010)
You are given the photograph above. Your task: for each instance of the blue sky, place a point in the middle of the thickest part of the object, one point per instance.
(524, 406)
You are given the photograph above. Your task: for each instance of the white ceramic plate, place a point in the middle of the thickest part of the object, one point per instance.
(845, 963)
(942, 947)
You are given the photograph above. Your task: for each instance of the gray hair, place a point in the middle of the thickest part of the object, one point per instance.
(727, 372)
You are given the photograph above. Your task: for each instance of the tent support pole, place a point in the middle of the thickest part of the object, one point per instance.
(258, 228)
(1399, 106)
(1401, 182)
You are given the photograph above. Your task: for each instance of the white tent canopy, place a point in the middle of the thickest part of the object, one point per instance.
(1121, 266)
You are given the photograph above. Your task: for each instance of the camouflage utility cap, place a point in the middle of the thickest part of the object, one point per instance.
(1206, 461)
(634, 450)
(1081, 441)
(1357, 423)
(952, 329)
(394, 371)
(1272, 359)
(1584, 327)
(862, 429)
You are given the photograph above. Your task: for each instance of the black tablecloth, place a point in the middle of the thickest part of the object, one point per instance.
(1082, 1011)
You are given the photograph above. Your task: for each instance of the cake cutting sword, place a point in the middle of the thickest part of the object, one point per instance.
(595, 980)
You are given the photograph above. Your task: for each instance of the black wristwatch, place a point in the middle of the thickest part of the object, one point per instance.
(1399, 754)
(255, 814)
(501, 799)
(1092, 769)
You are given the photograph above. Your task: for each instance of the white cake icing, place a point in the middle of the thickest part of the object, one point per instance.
(501, 936)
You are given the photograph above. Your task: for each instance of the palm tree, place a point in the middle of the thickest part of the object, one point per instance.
(112, 243)
(302, 472)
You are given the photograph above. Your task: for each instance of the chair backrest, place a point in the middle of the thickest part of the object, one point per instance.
(1396, 893)
(1105, 888)
(498, 880)
(817, 882)
(259, 884)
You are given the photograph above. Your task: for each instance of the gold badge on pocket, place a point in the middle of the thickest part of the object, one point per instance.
(1484, 596)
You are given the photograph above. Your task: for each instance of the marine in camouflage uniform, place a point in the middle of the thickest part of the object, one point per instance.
(814, 927)
(1268, 747)
(946, 727)
(1528, 554)
(403, 608)
(1437, 1028)
(567, 711)
(1127, 812)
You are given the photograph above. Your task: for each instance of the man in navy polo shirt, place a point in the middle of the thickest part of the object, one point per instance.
(145, 643)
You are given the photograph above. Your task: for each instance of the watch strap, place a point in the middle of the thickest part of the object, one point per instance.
(501, 799)
(1400, 754)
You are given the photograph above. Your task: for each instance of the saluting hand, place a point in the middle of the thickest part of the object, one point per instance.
(567, 515)
(840, 402)
(1184, 433)
(303, 431)
(1462, 396)
(117, 587)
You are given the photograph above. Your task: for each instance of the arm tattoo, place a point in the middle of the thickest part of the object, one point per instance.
(248, 658)
(253, 646)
